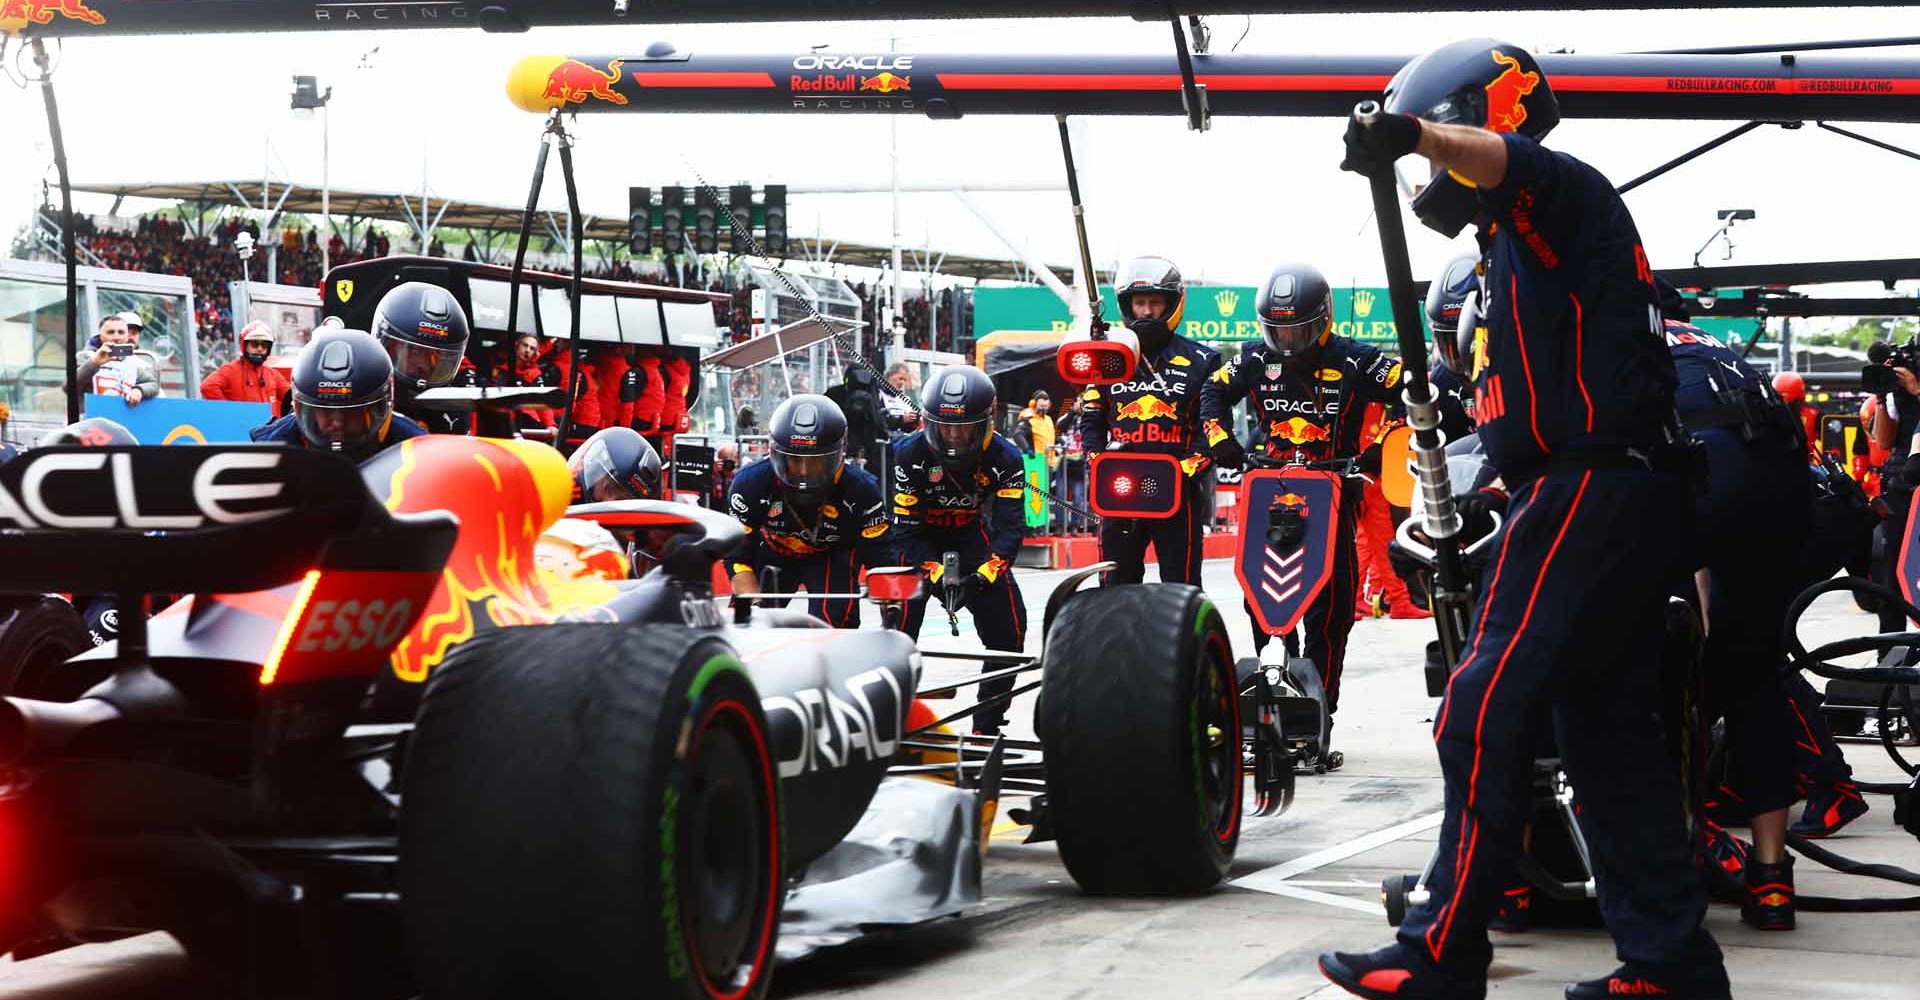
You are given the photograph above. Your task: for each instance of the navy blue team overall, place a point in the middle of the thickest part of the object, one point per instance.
(1749, 530)
(980, 515)
(1313, 408)
(1573, 389)
(1157, 413)
(822, 549)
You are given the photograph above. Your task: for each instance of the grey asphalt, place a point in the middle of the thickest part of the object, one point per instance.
(1303, 883)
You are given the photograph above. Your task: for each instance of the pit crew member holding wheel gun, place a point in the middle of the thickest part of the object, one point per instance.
(1310, 388)
(1156, 413)
(958, 487)
(1576, 412)
(809, 515)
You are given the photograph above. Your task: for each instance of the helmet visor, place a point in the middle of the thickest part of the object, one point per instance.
(344, 428)
(807, 472)
(602, 480)
(958, 439)
(1293, 338)
(420, 363)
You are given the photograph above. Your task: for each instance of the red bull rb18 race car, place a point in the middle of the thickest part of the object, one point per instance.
(375, 752)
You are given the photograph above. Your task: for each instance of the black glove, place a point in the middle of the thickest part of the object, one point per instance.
(1228, 454)
(954, 598)
(1476, 513)
(1375, 147)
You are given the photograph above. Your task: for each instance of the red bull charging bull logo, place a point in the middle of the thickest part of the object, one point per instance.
(17, 14)
(1298, 430)
(886, 83)
(1505, 110)
(573, 82)
(1146, 407)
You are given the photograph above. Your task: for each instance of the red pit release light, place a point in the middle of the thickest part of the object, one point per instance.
(1112, 359)
(1142, 486)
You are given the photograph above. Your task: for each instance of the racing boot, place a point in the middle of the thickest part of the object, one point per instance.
(1515, 915)
(1407, 609)
(1726, 864)
(1633, 981)
(1397, 973)
(1768, 903)
(1829, 809)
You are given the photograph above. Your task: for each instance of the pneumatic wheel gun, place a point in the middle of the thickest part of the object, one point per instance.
(953, 589)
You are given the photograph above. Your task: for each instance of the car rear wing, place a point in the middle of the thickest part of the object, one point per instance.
(228, 519)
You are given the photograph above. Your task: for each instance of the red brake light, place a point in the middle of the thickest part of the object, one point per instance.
(295, 615)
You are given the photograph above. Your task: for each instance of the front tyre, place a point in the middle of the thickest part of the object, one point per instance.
(591, 811)
(1139, 717)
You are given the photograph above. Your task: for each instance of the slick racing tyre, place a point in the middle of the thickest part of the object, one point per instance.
(591, 811)
(1140, 721)
(37, 635)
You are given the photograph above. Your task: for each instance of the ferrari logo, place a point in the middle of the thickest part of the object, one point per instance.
(1226, 300)
(1362, 303)
(343, 289)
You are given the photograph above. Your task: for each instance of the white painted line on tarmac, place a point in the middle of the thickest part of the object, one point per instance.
(1287, 889)
(1271, 879)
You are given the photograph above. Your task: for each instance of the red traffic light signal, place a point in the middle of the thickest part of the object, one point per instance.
(1143, 486)
(1083, 360)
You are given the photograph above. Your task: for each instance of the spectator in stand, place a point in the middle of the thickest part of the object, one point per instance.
(118, 367)
(247, 379)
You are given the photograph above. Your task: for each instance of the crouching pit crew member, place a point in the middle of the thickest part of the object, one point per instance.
(1156, 413)
(1575, 408)
(1310, 389)
(615, 464)
(958, 487)
(425, 332)
(810, 516)
(342, 398)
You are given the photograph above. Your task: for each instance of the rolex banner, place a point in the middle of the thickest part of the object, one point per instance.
(1037, 482)
(1214, 312)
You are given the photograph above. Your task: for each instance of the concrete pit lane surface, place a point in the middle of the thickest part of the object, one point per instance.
(1302, 883)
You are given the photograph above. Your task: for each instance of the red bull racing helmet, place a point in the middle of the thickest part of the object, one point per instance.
(1479, 82)
(1157, 275)
(1295, 309)
(615, 464)
(957, 406)
(343, 391)
(809, 444)
(1452, 339)
(425, 332)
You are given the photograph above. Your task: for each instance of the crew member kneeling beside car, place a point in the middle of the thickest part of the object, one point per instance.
(810, 516)
(342, 399)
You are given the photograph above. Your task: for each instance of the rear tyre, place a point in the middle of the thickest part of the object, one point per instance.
(1139, 717)
(37, 635)
(591, 811)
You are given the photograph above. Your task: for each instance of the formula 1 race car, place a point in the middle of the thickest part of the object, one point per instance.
(377, 753)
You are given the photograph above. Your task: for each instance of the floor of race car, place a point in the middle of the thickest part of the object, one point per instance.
(1303, 883)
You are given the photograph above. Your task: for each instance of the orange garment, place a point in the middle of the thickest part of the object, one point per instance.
(242, 381)
(1373, 532)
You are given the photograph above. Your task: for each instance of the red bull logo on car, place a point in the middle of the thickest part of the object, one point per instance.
(574, 82)
(1505, 110)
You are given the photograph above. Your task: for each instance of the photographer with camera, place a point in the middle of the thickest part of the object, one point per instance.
(1890, 376)
(119, 367)
(859, 398)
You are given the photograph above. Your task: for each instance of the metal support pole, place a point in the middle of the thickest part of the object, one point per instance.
(526, 230)
(66, 229)
(1690, 155)
(326, 193)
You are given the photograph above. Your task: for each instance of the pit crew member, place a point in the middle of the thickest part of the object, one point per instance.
(1156, 413)
(809, 515)
(958, 487)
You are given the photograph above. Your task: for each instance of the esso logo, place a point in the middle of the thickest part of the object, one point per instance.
(354, 626)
